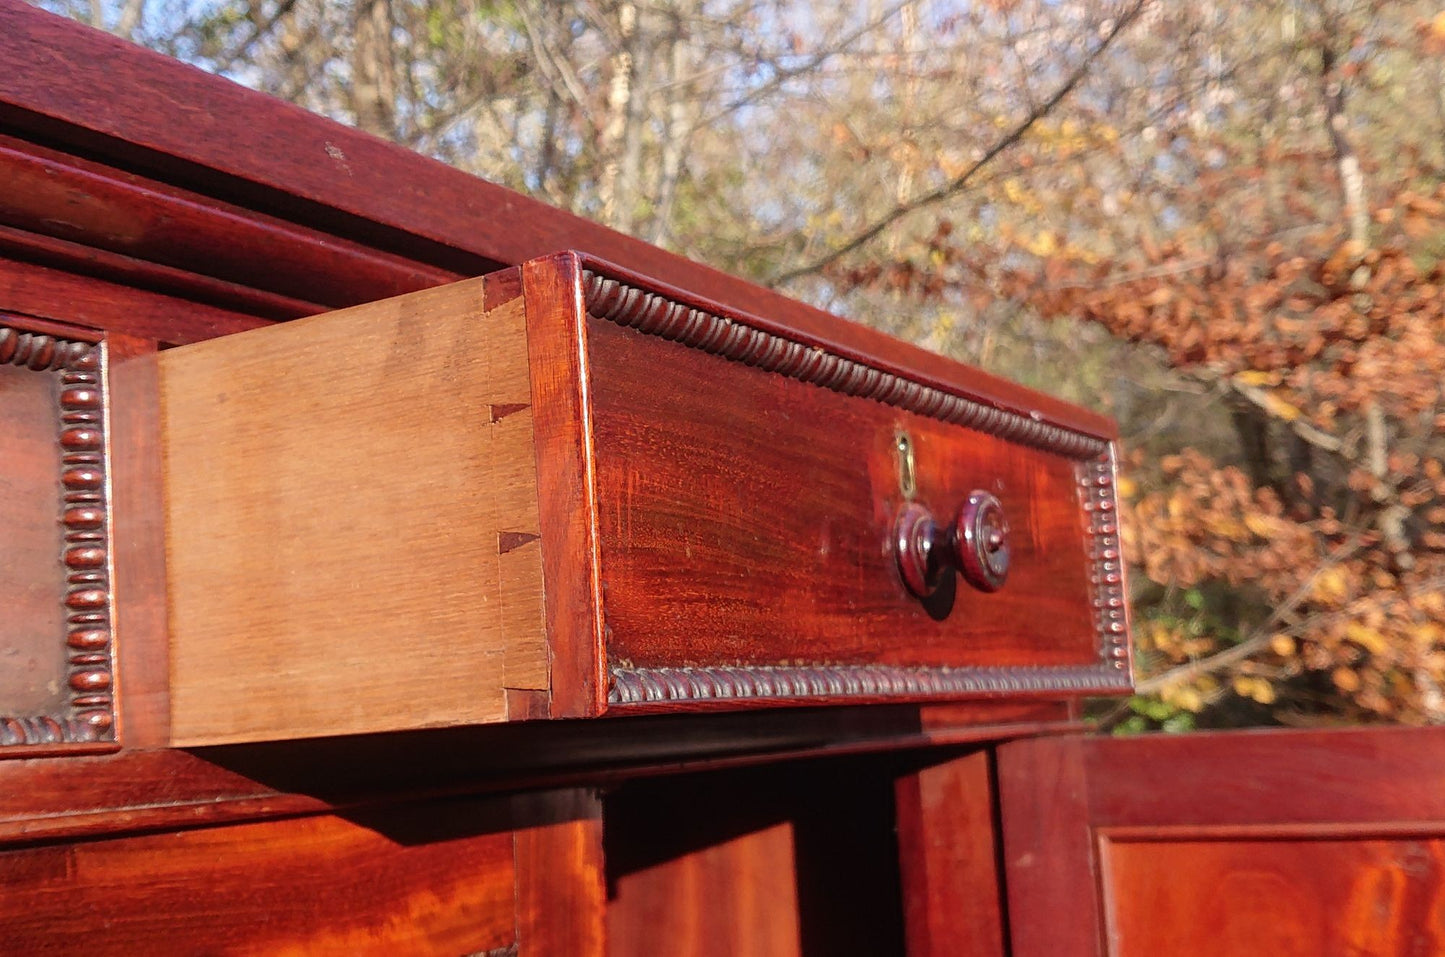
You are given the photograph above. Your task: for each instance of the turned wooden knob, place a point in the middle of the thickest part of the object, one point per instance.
(974, 544)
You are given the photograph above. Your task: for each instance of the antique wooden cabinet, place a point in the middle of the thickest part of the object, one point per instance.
(397, 565)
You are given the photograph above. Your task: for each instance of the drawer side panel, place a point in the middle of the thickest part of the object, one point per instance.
(352, 522)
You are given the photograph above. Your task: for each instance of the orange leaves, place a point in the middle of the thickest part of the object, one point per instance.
(1210, 523)
(1346, 679)
(1326, 600)
(1256, 689)
(1330, 587)
(1336, 325)
(1313, 534)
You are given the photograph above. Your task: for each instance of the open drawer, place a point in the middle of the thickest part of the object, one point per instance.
(564, 490)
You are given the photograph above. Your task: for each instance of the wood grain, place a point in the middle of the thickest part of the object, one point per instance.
(57, 674)
(513, 488)
(561, 888)
(1276, 898)
(55, 294)
(1286, 841)
(334, 522)
(948, 857)
(1359, 778)
(566, 484)
(421, 880)
(746, 519)
(791, 860)
(735, 897)
(1050, 863)
(32, 630)
(138, 534)
(123, 270)
(158, 789)
(252, 259)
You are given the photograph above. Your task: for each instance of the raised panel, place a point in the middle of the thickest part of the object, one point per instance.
(1307, 897)
(56, 675)
(1319, 843)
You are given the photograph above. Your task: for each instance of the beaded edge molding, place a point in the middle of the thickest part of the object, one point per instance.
(616, 301)
(84, 517)
(639, 686)
(655, 685)
(654, 314)
(1107, 590)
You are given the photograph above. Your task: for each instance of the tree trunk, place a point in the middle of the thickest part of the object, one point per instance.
(373, 76)
(610, 143)
(1352, 179)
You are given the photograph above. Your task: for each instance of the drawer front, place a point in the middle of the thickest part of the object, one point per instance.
(557, 491)
(749, 489)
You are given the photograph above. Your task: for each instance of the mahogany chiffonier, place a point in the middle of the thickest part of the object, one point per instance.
(396, 565)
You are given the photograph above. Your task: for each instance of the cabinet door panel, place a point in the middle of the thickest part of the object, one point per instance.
(1288, 842)
(1301, 897)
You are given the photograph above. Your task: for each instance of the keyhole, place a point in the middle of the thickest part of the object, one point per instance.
(907, 483)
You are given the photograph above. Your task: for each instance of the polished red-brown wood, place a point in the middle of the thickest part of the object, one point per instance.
(93, 94)
(49, 293)
(948, 857)
(746, 517)
(719, 495)
(1048, 849)
(1279, 897)
(736, 896)
(57, 686)
(157, 235)
(566, 485)
(144, 211)
(424, 879)
(31, 579)
(561, 885)
(782, 860)
(139, 543)
(157, 789)
(1166, 844)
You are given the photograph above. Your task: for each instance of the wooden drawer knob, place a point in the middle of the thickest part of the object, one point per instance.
(975, 544)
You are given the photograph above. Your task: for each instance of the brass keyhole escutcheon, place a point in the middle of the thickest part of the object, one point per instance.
(907, 477)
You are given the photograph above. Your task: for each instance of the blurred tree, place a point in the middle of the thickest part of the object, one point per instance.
(1257, 194)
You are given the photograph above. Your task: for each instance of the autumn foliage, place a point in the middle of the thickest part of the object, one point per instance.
(1282, 261)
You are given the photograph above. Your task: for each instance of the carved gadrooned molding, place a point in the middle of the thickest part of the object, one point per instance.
(650, 312)
(654, 314)
(1110, 675)
(82, 707)
(656, 685)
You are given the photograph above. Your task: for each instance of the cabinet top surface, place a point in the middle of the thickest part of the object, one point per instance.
(139, 133)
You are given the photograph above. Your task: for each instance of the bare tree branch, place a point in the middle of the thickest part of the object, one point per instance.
(1258, 640)
(259, 31)
(131, 15)
(962, 180)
